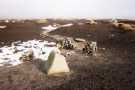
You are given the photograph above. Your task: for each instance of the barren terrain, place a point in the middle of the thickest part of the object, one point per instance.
(112, 68)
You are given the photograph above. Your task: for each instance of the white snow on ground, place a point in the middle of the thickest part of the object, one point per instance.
(67, 25)
(6, 21)
(3, 27)
(49, 28)
(55, 26)
(41, 50)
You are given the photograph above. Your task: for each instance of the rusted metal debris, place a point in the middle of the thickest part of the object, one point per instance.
(65, 44)
(90, 48)
(81, 44)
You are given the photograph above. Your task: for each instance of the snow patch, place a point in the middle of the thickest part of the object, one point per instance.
(49, 28)
(3, 27)
(67, 25)
(41, 50)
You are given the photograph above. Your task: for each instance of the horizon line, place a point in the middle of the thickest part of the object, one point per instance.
(68, 18)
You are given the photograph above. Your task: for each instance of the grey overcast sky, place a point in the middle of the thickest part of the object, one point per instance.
(67, 9)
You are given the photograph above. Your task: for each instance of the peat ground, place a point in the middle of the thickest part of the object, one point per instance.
(112, 69)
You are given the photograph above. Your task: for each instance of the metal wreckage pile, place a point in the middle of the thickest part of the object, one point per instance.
(89, 48)
(65, 44)
(48, 52)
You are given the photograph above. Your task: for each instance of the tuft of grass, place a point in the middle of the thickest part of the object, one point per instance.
(124, 27)
(40, 21)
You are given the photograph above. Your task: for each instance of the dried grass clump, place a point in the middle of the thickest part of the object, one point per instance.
(92, 22)
(123, 26)
(115, 24)
(44, 34)
(40, 21)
